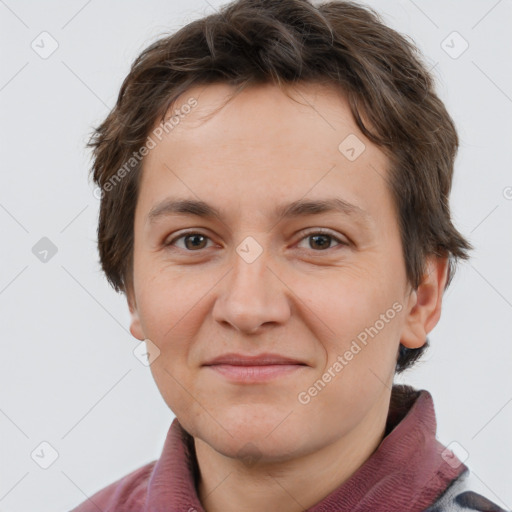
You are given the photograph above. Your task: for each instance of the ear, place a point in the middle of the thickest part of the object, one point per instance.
(135, 326)
(424, 308)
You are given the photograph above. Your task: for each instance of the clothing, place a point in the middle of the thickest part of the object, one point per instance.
(410, 471)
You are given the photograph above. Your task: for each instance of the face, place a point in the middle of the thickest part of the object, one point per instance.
(279, 268)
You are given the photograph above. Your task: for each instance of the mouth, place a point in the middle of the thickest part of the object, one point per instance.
(253, 369)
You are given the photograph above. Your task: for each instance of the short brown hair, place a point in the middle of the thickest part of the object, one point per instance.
(390, 92)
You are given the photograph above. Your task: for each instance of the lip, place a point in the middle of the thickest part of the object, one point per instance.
(242, 368)
(253, 360)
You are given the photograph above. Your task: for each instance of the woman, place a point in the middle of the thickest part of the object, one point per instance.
(236, 146)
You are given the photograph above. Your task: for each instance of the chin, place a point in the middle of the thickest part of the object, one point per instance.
(251, 451)
(251, 432)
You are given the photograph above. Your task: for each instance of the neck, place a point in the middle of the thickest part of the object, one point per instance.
(227, 484)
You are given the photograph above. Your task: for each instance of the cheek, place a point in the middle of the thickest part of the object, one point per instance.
(348, 299)
(171, 313)
(173, 307)
(360, 355)
(358, 318)
(166, 300)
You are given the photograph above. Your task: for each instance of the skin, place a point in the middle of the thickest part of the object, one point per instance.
(259, 448)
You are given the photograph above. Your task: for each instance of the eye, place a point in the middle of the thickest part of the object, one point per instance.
(192, 241)
(320, 240)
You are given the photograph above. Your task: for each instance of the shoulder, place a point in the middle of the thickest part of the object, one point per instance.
(465, 494)
(126, 494)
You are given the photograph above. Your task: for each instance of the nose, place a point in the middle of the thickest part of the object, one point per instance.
(252, 295)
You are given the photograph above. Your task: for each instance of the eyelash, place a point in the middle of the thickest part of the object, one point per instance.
(318, 231)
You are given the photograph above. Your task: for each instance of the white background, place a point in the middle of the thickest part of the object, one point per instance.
(68, 375)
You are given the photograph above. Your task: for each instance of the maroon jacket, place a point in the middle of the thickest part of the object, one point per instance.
(409, 471)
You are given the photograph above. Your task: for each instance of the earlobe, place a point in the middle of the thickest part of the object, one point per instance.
(135, 326)
(424, 309)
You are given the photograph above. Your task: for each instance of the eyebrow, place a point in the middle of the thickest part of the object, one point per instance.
(300, 208)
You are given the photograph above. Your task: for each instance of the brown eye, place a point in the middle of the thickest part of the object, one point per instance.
(195, 241)
(192, 241)
(320, 241)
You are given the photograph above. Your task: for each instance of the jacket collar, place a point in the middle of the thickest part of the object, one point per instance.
(408, 471)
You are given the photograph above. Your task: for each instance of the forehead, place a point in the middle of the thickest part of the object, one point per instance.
(264, 148)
